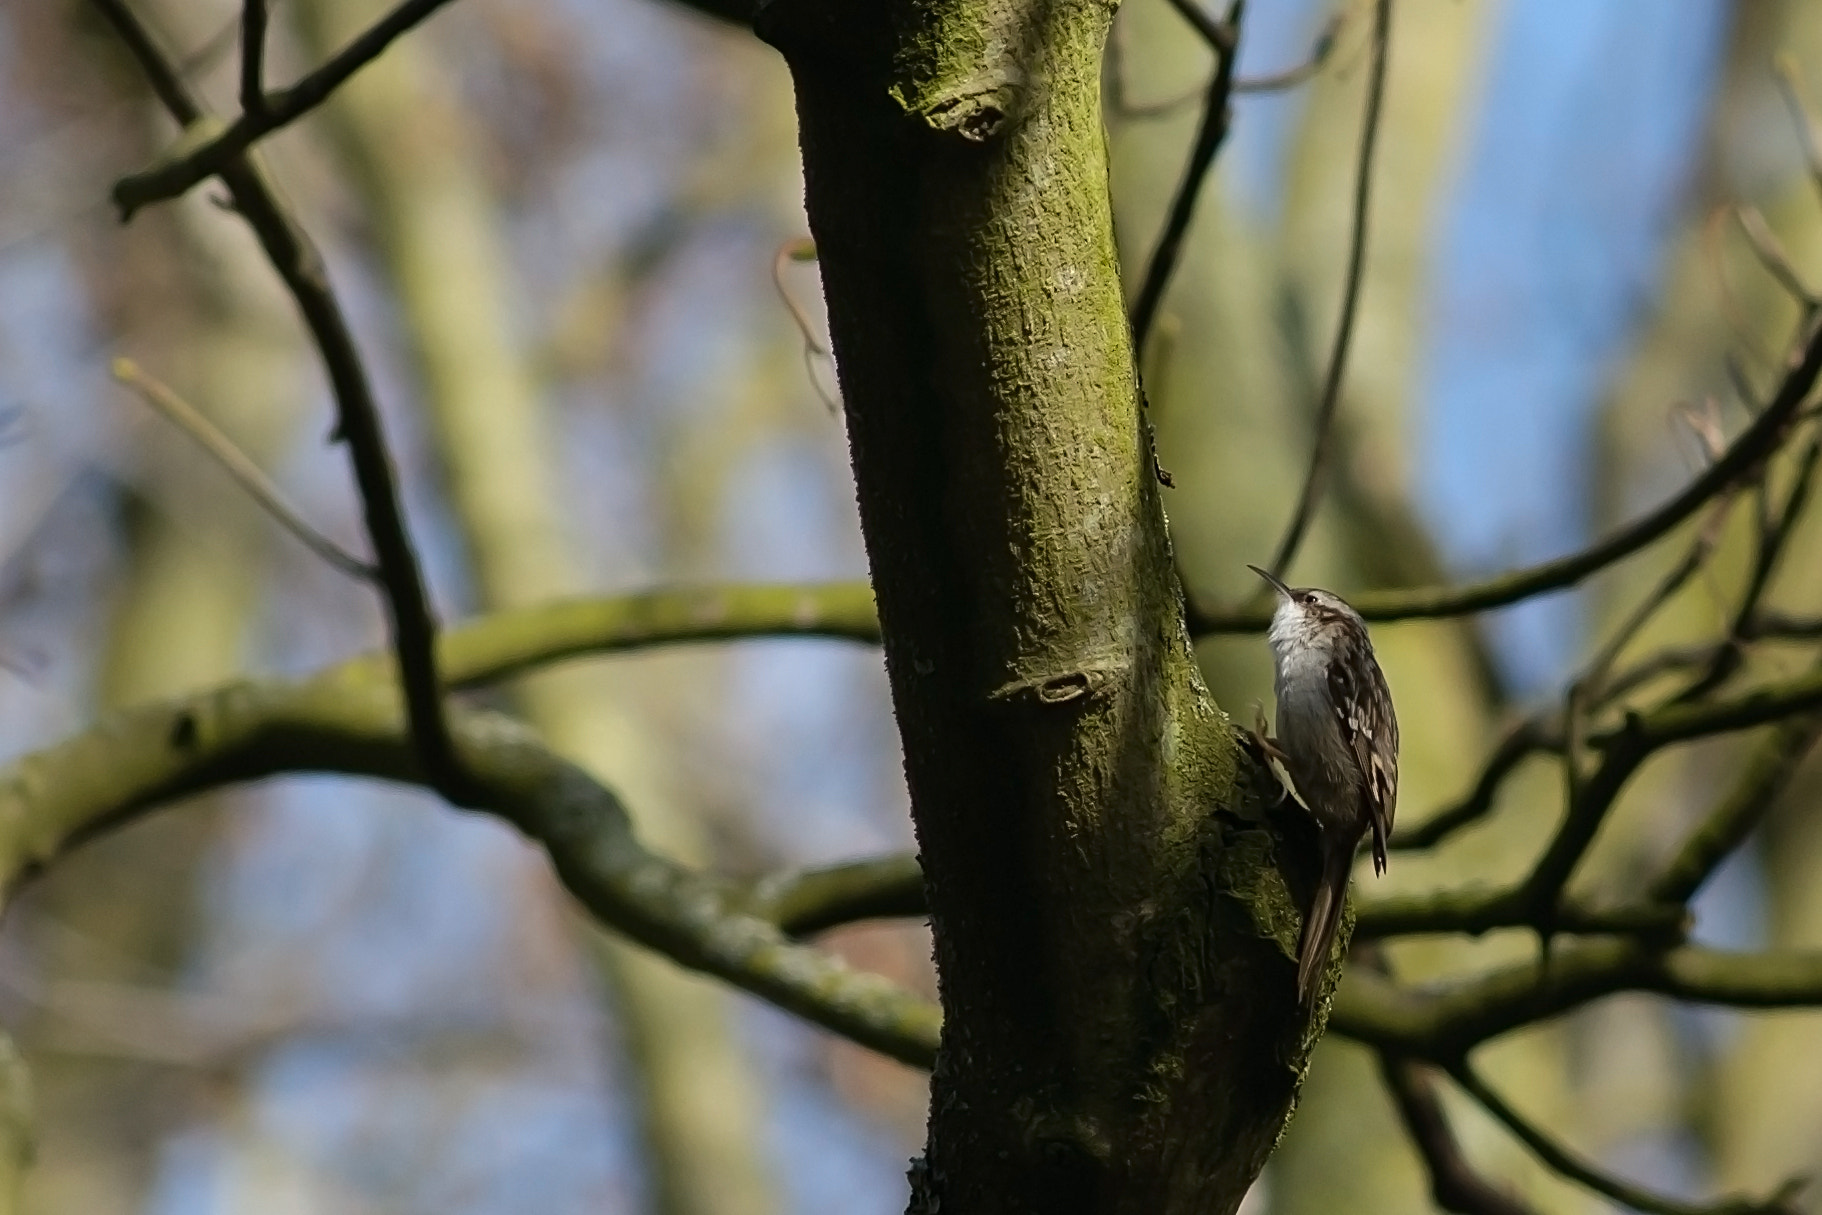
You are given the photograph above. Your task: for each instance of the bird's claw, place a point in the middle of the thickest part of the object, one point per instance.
(1275, 758)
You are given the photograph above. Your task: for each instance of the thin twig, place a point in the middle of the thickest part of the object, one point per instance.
(1771, 254)
(1146, 110)
(1217, 115)
(1714, 248)
(299, 264)
(1756, 706)
(1350, 295)
(1455, 1184)
(1291, 77)
(1272, 82)
(1576, 1169)
(1766, 774)
(800, 250)
(1667, 661)
(1585, 693)
(1521, 741)
(174, 177)
(240, 466)
(1585, 809)
(1774, 537)
(166, 81)
(1791, 85)
(1742, 458)
(1780, 625)
(1640, 736)
(1592, 684)
(1220, 35)
(1741, 381)
(253, 57)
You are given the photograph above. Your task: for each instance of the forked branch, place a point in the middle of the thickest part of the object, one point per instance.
(298, 263)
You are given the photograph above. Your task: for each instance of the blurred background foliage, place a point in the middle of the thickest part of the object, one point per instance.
(555, 225)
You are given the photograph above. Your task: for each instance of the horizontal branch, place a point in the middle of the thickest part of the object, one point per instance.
(1443, 1023)
(1700, 719)
(807, 901)
(350, 723)
(347, 720)
(803, 902)
(511, 642)
(1475, 911)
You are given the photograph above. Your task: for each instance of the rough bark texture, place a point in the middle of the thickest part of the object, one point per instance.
(1113, 937)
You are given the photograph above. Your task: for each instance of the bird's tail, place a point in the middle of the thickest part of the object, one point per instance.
(1324, 918)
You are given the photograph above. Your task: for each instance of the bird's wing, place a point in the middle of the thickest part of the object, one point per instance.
(1369, 728)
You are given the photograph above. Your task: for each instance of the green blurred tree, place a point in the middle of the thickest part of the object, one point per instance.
(1112, 876)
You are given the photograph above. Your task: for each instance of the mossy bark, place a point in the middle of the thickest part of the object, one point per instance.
(1113, 935)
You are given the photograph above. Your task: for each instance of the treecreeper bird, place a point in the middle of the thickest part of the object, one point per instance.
(1338, 738)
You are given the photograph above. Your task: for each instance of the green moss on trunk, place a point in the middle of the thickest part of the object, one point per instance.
(1112, 934)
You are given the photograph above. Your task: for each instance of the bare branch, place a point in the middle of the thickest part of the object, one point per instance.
(253, 57)
(1591, 686)
(1320, 53)
(1785, 68)
(1667, 661)
(347, 721)
(1443, 1023)
(1761, 705)
(803, 249)
(512, 642)
(1783, 627)
(299, 264)
(1455, 1185)
(1738, 463)
(1522, 741)
(1291, 77)
(1775, 532)
(1772, 256)
(1587, 804)
(1576, 1169)
(1475, 911)
(222, 151)
(803, 902)
(1767, 772)
(1350, 296)
(1217, 114)
(240, 466)
(806, 901)
(1221, 36)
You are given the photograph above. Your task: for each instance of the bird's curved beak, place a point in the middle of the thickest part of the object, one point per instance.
(1284, 592)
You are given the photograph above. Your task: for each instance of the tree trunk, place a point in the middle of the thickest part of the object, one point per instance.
(1113, 938)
